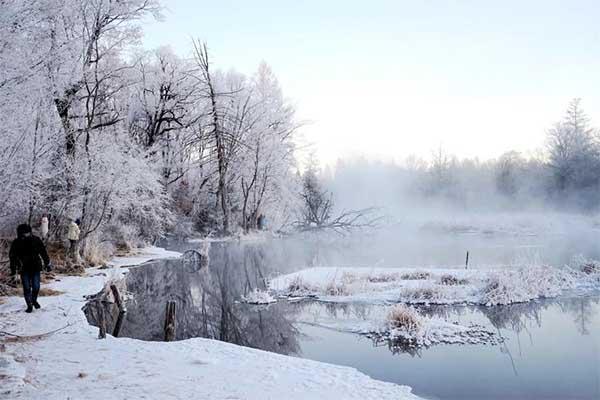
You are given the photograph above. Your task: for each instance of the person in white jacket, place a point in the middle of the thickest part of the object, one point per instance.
(73, 236)
(44, 228)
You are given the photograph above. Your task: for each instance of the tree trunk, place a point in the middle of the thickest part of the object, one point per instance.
(170, 323)
(122, 310)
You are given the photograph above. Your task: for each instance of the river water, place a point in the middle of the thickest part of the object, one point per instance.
(551, 348)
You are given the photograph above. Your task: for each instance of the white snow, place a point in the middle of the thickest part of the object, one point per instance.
(73, 363)
(431, 285)
(259, 297)
(143, 255)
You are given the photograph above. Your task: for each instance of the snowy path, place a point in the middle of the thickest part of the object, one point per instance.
(73, 363)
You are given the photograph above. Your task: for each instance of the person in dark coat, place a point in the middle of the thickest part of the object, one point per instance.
(27, 256)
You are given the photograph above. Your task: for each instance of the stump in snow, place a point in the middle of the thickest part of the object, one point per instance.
(122, 310)
(170, 326)
(101, 323)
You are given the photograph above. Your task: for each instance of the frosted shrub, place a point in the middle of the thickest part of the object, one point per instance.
(97, 252)
(349, 278)
(297, 286)
(416, 275)
(125, 237)
(258, 297)
(404, 321)
(525, 284)
(451, 280)
(382, 278)
(590, 268)
(585, 265)
(423, 294)
(336, 289)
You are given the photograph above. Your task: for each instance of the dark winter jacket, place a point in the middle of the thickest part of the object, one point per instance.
(27, 252)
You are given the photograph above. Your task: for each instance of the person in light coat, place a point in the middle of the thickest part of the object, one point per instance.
(44, 228)
(73, 236)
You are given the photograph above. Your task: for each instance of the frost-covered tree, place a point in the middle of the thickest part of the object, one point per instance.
(94, 128)
(508, 169)
(163, 111)
(574, 152)
(317, 211)
(66, 121)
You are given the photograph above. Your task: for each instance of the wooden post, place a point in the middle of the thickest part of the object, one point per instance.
(467, 261)
(122, 310)
(101, 322)
(170, 326)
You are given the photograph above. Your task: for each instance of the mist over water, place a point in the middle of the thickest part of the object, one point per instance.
(433, 212)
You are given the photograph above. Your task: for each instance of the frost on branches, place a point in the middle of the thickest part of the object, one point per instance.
(133, 145)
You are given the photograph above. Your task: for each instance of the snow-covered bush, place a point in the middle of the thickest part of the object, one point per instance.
(298, 287)
(451, 280)
(382, 278)
(585, 265)
(423, 294)
(258, 297)
(525, 284)
(349, 278)
(97, 252)
(405, 319)
(416, 276)
(335, 288)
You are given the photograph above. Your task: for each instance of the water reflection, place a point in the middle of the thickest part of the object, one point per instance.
(509, 321)
(404, 247)
(207, 302)
(559, 358)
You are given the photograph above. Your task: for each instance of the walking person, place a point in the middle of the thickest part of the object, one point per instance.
(73, 236)
(27, 256)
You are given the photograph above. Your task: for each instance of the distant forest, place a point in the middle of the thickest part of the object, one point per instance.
(564, 176)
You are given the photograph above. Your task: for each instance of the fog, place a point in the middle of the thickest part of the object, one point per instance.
(433, 213)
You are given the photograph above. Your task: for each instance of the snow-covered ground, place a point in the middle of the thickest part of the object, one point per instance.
(434, 286)
(71, 362)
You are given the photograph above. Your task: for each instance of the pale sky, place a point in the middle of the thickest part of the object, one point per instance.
(385, 79)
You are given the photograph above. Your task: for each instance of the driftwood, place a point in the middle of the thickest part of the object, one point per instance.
(344, 223)
(170, 325)
(19, 338)
(122, 310)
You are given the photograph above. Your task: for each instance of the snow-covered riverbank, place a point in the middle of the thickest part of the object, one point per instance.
(437, 286)
(73, 363)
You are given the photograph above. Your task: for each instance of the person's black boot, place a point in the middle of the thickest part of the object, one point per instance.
(36, 305)
(29, 308)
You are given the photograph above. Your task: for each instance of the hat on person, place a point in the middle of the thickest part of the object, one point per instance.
(23, 230)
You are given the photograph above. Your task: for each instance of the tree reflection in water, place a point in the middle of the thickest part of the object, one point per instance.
(207, 301)
(516, 318)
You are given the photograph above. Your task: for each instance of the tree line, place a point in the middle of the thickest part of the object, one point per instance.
(134, 142)
(563, 175)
